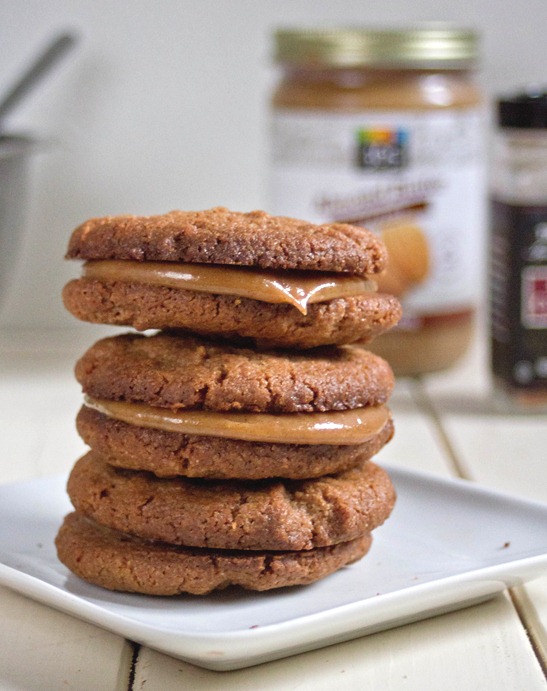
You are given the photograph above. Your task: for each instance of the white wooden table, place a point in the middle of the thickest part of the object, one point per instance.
(445, 426)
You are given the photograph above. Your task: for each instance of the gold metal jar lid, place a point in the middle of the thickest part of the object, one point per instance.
(421, 47)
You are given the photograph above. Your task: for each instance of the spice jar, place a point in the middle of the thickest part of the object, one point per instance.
(518, 243)
(385, 129)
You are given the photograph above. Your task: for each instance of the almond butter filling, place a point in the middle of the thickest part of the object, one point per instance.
(296, 288)
(344, 427)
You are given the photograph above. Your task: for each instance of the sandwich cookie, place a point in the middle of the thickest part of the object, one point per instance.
(182, 405)
(277, 281)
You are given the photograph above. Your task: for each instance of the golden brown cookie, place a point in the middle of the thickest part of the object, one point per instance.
(170, 454)
(117, 561)
(186, 372)
(336, 322)
(409, 260)
(221, 236)
(264, 515)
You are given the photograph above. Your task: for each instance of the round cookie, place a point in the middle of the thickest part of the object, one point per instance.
(224, 238)
(171, 454)
(221, 236)
(359, 318)
(116, 561)
(186, 372)
(266, 515)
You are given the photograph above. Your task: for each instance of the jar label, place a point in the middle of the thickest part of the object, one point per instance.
(417, 178)
(518, 302)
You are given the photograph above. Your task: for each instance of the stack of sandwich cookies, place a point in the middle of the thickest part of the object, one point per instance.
(190, 390)
(212, 462)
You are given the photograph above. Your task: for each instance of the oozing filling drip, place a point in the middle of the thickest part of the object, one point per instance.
(297, 288)
(346, 427)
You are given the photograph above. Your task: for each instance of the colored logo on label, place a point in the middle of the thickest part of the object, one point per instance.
(534, 297)
(381, 148)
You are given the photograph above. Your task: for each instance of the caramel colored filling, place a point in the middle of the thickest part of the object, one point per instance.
(296, 288)
(345, 427)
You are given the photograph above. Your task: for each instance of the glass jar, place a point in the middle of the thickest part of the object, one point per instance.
(385, 129)
(518, 245)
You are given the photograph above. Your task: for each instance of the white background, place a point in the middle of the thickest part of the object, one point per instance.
(163, 104)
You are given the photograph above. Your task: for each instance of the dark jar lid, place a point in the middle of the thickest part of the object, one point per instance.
(527, 110)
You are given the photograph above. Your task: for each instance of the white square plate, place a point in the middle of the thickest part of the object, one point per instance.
(448, 544)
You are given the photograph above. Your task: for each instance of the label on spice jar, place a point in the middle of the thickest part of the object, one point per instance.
(415, 177)
(518, 302)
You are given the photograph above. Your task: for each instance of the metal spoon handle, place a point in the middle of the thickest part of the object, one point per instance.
(36, 71)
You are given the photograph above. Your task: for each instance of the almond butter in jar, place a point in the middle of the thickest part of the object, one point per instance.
(385, 129)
